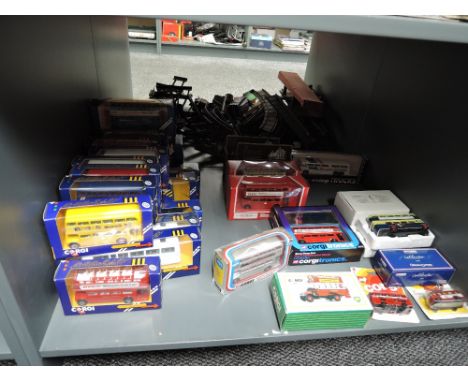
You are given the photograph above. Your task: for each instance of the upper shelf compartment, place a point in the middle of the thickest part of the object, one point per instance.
(383, 26)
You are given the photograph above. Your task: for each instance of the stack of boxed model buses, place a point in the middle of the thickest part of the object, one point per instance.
(127, 220)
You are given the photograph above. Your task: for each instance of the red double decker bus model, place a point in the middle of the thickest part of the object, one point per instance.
(264, 196)
(387, 302)
(111, 285)
(319, 234)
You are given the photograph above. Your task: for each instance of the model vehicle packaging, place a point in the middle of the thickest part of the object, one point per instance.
(124, 152)
(133, 115)
(382, 221)
(250, 259)
(184, 185)
(320, 235)
(182, 253)
(440, 301)
(319, 300)
(252, 148)
(115, 166)
(109, 285)
(418, 266)
(90, 187)
(330, 167)
(128, 142)
(389, 303)
(167, 205)
(179, 251)
(358, 205)
(184, 181)
(176, 221)
(252, 188)
(164, 169)
(81, 227)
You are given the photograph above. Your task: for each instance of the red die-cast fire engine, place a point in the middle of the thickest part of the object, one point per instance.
(387, 302)
(331, 288)
(319, 234)
(111, 285)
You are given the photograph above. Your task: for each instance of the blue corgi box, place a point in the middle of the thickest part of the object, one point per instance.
(86, 227)
(180, 251)
(115, 166)
(167, 205)
(91, 187)
(109, 285)
(320, 235)
(406, 267)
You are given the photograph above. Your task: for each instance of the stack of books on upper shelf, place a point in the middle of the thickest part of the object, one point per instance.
(290, 44)
(326, 300)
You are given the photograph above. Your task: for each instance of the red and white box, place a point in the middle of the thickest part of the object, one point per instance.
(252, 188)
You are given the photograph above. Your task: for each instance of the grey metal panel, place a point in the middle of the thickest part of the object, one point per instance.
(194, 313)
(389, 26)
(110, 38)
(5, 352)
(48, 70)
(404, 106)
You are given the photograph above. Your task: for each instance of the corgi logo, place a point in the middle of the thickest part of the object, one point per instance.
(75, 252)
(83, 309)
(309, 261)
(317, 246)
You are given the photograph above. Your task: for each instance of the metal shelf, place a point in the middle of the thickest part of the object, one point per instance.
(384, 26)
(194, 313)
(198, 44)
(5, 353)
(142, 41)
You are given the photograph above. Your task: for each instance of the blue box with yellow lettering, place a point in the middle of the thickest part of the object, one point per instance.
(179, 250)
(171, 221)
(167, 204)
(115, 166)
(164, 169)
(79, 227)
(109, 285)
(91, 187)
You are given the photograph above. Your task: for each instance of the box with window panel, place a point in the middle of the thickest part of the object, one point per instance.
(109, 285)
(251, 259)
(252, 188)
(89, 187)
(132, 114)
(79, 227)
(115, 166)
(167, 205)
(320, 235)
(178, 249)
(176, 221)
(330, 167)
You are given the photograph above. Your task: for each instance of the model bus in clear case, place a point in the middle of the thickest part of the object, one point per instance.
(250, 259)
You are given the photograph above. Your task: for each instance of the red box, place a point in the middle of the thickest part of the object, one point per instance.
(170, 31)
(250, 197)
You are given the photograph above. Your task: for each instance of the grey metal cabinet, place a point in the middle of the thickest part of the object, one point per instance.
(395, 87)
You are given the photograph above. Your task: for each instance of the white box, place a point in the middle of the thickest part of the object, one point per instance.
(358, 205)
